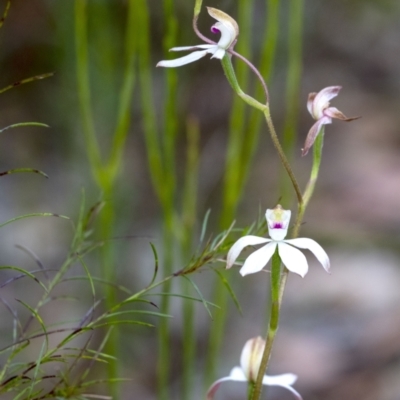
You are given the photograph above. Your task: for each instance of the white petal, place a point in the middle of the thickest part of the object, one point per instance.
(188, 48)
(278, 222)
(321, 100)
(240, 244)
(228, 34)
(313, 133)
(285, 381)
(310, 103)
(235, 375)
(315, 248)
(219, 53)
(226, 25)
(258, 260)
(280, 380)
(196, 55)
(250, 358)
(293, 259)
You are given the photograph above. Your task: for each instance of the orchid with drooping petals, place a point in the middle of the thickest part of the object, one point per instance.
(226, 26)
(318, 106)
(294, 260)
(250, 361)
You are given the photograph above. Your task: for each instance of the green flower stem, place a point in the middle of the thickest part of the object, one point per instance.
(217, 330)
(264, 108)
(278, 287)
(266, 65)
(273, 322)
(282, 156)
(250, 390)
(317, 156)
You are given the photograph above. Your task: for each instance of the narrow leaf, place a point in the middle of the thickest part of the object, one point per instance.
(229, 288)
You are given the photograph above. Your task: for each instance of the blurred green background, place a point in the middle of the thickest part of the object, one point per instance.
(339, 333)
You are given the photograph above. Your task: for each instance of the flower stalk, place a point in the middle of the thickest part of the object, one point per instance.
(264, 108)
(276, 297)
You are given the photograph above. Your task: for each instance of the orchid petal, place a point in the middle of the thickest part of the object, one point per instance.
(219, 53)
(226, 25)
(310, 103)
(313, 133)
(278, 222)
(293, 259)
(238, 375)
(228, 34)
(250, 359)
(235, 375)
(321, 100)
(333, 112)
(196, 55)
(197, 46)
(284, 380)
(258, 260)
(240, 244)
(315, 248)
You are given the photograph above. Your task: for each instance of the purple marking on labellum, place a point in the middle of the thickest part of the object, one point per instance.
(277, 225)
(215, 30)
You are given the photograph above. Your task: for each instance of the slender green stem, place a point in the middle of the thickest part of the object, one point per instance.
(278, 295)
(264, 108)
(250, 390)
(282, 156)
(273, 322)
(266, 66)
(317, 156)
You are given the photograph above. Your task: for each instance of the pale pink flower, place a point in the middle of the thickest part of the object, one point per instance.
(318, 106)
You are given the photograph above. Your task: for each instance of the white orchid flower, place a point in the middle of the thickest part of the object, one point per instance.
(250, 361)
(226, 26)
(318, 106)
(294, 260)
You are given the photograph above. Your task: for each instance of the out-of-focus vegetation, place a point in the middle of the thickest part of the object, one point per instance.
(340, 332)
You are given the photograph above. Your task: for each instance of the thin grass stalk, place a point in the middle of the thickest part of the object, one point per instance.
(84, 96)
(161, 155)
(111, 169)
(126, 91)
(105, 174)
(169, 136)
(150, 129)
(189, 207)
(295, 68)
